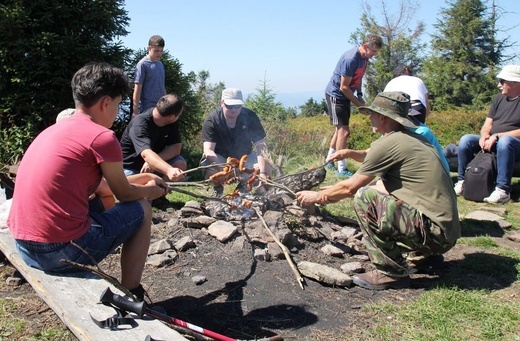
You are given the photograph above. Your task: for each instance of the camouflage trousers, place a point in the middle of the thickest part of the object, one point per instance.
(392, 228)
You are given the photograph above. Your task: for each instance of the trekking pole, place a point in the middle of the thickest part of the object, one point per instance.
(140, 308)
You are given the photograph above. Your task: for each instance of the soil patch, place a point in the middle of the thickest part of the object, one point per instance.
(243, 297)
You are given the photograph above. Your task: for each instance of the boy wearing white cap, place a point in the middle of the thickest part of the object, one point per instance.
(499, 134)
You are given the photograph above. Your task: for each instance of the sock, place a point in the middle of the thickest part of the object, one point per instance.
(342, 165)
(331, 151)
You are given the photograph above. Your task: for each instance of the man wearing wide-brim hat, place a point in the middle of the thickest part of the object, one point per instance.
(499, 134)
(412, 209)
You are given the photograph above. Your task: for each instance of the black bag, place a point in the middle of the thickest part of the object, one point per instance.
(480, 177)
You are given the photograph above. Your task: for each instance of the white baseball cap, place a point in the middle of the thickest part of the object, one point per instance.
(232, 96)
(510, 73)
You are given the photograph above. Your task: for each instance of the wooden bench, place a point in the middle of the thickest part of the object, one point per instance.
(75, 297)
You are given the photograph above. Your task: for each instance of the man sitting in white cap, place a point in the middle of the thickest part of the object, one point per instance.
(231, 130)
(499, 134)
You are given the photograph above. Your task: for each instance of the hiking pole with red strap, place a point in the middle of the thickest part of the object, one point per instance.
(140, 308)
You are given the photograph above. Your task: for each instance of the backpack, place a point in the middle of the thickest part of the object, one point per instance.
(480, 177)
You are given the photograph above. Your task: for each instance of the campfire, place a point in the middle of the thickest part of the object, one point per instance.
(268, 216)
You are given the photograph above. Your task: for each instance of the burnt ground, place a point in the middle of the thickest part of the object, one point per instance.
(246, 298)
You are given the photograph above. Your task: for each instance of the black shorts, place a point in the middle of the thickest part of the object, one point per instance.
(339, 110)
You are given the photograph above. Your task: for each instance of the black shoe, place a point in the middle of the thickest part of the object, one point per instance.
(139, 293)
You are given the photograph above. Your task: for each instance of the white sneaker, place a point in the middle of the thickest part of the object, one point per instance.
(499, 196)
(458, 187)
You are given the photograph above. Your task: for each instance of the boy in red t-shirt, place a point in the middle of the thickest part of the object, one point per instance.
(63, 167)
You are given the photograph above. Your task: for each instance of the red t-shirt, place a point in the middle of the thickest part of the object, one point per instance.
(58, 173)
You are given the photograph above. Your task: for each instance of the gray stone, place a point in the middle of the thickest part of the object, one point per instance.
(273, 219)
(324, 274)
(222, 230)
(198, 222)
(258, 233)
(488, 216)
(173, 222)
(159, 246)
(190, 211)
(239, 244)
(310, 234)
(338, 235)
(193, 204)
(162, 259)
(331, 250)
(198, 280)
(352, 268)
(283, 235)
(296, 211)
(501, 211)
(275, 251)
(184, 244)
(514, 237)
(350, 232)
(262, 255)
(362, 258)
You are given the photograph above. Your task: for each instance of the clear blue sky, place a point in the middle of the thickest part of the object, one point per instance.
(294, 44)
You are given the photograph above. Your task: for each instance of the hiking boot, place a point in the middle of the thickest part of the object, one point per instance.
(345, 173)
(422, 264)
(458, 187)
(499, 196)
(375, 280)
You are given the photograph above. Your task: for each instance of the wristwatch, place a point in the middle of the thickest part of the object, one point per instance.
(495, 135)
(359, 93)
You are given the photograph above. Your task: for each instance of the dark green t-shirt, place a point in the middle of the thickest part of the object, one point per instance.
(411, 171)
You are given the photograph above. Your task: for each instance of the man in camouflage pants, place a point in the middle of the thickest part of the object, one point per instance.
(411, 209)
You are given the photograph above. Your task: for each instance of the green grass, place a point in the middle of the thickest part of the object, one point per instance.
(447, 314)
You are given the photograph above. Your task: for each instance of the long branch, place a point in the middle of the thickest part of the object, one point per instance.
(285, 250)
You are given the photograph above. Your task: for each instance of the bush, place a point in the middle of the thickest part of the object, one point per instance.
(15, 141)
(304, 141)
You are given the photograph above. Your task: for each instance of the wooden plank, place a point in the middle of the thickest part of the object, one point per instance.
(74, 297)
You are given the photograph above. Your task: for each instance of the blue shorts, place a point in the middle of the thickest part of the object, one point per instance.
(108, 230)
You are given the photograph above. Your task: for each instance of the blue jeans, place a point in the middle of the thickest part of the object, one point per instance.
(108, 230)
(507, 150)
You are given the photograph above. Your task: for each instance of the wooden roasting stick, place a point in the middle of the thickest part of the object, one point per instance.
(285, 250)
(213, 165)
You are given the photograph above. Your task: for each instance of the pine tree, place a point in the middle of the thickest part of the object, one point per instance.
(465, 51)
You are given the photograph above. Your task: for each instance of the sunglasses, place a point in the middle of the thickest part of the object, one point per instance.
(231, 107)
(503, 81)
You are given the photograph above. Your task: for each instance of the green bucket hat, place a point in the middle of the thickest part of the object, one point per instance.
(393, 105)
